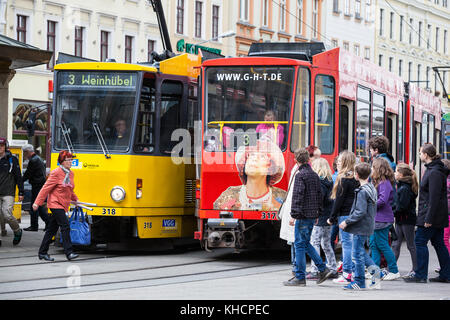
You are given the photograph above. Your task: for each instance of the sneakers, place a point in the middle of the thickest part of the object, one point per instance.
(294, 282)
(17, 237)
(413, 279)
(353, 286)
(439, 279)
(312, 276)
(324, 275)
(30, 229)
(390, 276)
(343, 278)
(334, 275)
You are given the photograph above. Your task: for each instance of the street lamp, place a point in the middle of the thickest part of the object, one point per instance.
(227, 34)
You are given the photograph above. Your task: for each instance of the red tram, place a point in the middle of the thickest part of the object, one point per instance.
(257, 110)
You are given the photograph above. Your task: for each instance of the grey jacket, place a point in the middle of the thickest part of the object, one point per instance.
(361, 220)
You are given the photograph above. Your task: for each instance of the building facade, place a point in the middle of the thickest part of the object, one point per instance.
(412, 37)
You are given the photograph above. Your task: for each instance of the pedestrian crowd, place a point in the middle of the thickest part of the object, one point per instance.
(371, 208)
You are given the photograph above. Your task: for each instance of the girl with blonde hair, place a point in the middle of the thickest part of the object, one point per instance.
(383, 180)
(343, 194)
(321, 233)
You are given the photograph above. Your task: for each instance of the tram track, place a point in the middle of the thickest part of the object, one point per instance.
(203, 275)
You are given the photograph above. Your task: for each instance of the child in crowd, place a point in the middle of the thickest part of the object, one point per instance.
(383, 179)
(405, 211)
(343, 194)
(360, 223)
(321, 232)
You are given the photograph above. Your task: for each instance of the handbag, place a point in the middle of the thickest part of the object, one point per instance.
(80, 233)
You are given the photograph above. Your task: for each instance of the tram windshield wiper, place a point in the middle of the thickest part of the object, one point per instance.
(101, 140)
(66, 135)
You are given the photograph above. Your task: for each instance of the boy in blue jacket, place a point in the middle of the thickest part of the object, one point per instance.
(361, 223)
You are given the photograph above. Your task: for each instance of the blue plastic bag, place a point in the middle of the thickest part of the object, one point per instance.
(80, 234)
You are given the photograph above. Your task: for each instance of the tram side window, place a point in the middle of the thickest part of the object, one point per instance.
(300, 124)
(424, 137)
(431, 129)
(400, 133)
(324, 114)
(379, 103)
(362, 122)
(171, 109)
(146, 119)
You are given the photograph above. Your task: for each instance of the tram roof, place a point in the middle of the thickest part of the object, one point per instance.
(110, 66)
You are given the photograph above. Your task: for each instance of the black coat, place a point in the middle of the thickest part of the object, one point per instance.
(433, 206)
(326, 187)
(345, 194)
(405, 204)
(307, 194)
(10, 176)
(35, 172)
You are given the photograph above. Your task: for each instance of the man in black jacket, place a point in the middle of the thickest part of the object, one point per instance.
(432, 217)
(36, 175)
(10, 176)
(306, 207)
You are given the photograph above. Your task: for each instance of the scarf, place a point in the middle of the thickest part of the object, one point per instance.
(67, 177)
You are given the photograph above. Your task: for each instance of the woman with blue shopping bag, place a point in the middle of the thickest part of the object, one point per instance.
(59, 190)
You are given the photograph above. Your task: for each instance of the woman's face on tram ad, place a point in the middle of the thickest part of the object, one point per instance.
(257, 164)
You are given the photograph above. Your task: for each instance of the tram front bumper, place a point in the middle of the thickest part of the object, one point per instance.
(223, 233)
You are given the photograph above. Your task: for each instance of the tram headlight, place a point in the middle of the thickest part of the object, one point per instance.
(117, 193)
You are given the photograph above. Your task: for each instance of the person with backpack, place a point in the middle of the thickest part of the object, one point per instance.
(10, 177)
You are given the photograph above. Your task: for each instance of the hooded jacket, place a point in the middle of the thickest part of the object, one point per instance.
(361, 220)
(405, 204)
(10, 175)
(326, 187)
(385, 198)
(433, 206)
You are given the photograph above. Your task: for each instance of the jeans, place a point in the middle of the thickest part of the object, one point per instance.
(334, 233)
(405, 231)
(57, 219)
(346, 241)
(303, 229)
(293, 257)
(436, 235)
(379, 243)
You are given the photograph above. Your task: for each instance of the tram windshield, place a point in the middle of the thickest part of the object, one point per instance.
(94, 110)
(244, 104)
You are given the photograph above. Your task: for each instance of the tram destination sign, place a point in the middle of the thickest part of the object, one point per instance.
(104, 80)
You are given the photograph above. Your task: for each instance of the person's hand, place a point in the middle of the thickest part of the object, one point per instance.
(35, 207)
(427, 225)
(292, 222)
(343, 225)
(20, 198)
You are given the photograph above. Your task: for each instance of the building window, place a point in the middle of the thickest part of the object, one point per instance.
(336, 6)
(315, 17)
(409, 71)
(265, 14)
(429, 37)
(428, 77)
(243, 10)
(104, 45)
(150, 48)
(347, 7)
(411, 31)
(419, 38)
(79, 31)
(356, 49)
(419, 67)
(358, 9)
(391, 26)
(283, 15)
(368, 10)
(437, 39)
(198, 18)
(380, 60)
(381, 22)
(335, 43)
(445, 42)
(128, 48)
(22, 28)
(299, 16)
(401, 28)
(367, 53)
(51, 42)
(400, 67)
(215, 22)
(180, 16)
(391, 63)
(346, 46)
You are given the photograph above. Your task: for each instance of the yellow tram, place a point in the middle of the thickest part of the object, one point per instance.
(118, 119)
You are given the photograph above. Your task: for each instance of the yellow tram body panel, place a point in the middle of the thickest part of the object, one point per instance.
(165, 209)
